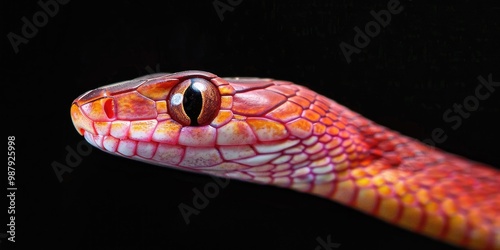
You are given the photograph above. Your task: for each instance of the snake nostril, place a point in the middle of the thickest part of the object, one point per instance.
(109, 108)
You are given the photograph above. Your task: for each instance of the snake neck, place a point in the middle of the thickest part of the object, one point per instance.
(359, 153)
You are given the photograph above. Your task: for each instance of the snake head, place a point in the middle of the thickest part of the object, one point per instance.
(255, 129)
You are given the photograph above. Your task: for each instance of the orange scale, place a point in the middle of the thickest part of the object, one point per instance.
(344, 192)
(325, 138)
(157, 89)
(367, 200)
(218, 81)
(332, 131)
(300, 128)
(235, 133)
(267, 130)
(358, 173)
(318, 109)
(339, 125)
(340, 158)
(423, 196)
(475, 217)
(326, 120)
(385, 190)
(319, 129)
(314, 149)
(390, 177)
(161, 107)
(408, 199)
(322, 104)
(379, 181)
(332, 116)
(311, 115)
(344, 134)
(411, 217)
(226, 90)
(285, 112)
(346, 143)
(363, 182)
(226, 102)
(222, 118)
(167, 131)
(433, 225)
(142, 130)
(457, 228)
(119, 129)
(303, 102)
(134, 106)
(389, 209)
(400, 188)
(432, 207)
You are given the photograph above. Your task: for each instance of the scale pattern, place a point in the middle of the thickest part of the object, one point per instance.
(278, 133)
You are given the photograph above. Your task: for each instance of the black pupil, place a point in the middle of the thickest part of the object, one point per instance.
(192, 102)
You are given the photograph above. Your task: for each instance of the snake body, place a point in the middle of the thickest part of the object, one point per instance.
(279, 133)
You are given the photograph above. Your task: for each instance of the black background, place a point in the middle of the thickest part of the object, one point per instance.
(424, 61)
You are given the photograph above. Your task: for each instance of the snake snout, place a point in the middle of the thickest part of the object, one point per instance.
(80, 121)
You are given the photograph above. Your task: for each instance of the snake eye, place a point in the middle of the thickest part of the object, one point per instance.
(194, 102)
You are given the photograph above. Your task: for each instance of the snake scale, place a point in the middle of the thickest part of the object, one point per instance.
(275, 132)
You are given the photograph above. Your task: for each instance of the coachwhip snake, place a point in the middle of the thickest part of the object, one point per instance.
(279, 133)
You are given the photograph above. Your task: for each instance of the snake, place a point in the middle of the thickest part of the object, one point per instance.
(275, 132)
